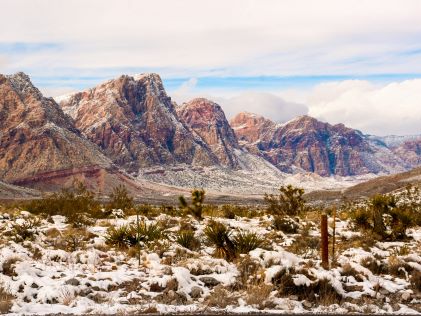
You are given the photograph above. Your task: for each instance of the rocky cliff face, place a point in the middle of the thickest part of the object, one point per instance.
(306, 144)
(207, 120)
(36, 136)
(135, 123)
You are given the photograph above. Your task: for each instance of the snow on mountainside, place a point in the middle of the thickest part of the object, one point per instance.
(394, 140)
(305, 144)
(255, 177)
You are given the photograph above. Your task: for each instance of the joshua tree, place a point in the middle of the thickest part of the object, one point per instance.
(196, 207)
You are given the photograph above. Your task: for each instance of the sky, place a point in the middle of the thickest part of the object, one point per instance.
(352, 62)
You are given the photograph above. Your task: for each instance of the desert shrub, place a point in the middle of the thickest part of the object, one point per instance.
(196, 206)
(8, 267)
(218, 235)
(374, 265)
(78, 204)
(120, 199)
(26, 229)
(258, 294)
(244, 241)
(230, 211)
(305, 244)
(361, 218)
(133, 234)
(221, 297)
(248, 268)
(416, 280)
(187, 239)
(348, 270)
(144, 210)
(290, 201)
(388, 216)
(397, 267)
(74, 239)
(6, 300)
(285, 224)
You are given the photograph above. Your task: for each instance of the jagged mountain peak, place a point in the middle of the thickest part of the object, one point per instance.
(135, 122)
(35, 135)
(207, 119)
(22, 85)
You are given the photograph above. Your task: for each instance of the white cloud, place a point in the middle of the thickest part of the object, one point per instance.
(394, 108)
(57, 91)
(262, 103)
(196, 38)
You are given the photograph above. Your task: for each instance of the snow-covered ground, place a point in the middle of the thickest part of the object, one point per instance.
(62, 270)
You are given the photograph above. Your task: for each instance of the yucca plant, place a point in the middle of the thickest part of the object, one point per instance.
(218, 235)
(187, 239)
(119, 236)
(196, 207)
(247, 241)
(146, 233)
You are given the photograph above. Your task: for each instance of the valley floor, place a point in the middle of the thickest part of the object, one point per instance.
(60, 269)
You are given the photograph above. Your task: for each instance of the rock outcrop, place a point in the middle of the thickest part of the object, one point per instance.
(207, 119)
(134, 122)
(306, 144)
(36, 136)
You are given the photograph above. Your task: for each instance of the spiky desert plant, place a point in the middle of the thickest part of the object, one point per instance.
(196, 207)
(146, 233)
(119, 236)
(218, 235)
(187, 239)
(245, 241)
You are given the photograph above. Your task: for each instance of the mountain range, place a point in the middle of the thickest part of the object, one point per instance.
(128, 130)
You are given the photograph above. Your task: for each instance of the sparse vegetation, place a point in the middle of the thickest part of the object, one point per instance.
(290, 201)
(120, 199)
(187, 239)
(244, 242)
(163, 245)
(218, 235)
(387, 216)
(6, 300)
(196, 206)
(78, 204)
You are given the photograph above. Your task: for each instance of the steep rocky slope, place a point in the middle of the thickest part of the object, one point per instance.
(36, 136)
(206, 119)
(306, 144)
(135, 123)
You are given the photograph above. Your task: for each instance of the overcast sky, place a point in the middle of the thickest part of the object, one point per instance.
(356, 62)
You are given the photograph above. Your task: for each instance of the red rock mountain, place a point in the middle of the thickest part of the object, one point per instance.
(136, 124)
(36, 136)
(306, 144)
(206, 119)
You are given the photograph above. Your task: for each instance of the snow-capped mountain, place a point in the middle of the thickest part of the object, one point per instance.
(306, 144)
(36, 136)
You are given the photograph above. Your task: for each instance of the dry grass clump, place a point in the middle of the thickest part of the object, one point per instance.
(221, 297)
(6, 300)
(258, 294)
(26, 230)
(374, 265)
(416, 280)
(397, 267)
(305, 245)
(348, 270)
(9, 266)
(319, 291)
(285, 224)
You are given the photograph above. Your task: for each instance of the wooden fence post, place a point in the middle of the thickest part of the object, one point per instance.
(324, 242)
